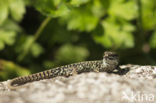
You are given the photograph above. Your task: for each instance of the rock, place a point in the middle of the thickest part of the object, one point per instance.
(134, 84)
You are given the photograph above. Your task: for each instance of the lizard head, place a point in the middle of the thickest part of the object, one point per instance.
(110, 58)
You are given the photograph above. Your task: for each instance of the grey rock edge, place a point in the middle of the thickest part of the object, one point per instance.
(134, 84)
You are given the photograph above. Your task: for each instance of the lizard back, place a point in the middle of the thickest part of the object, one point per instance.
(67, 70)
(109, 63)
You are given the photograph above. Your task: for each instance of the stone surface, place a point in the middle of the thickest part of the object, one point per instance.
(134, 84)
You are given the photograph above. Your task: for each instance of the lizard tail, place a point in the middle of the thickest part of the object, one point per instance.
(16, 82)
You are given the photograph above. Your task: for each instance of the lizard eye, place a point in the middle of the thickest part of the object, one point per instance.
(110, 54)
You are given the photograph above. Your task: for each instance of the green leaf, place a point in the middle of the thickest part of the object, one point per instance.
(125, 9)
(6, 37)
(148, 14)
(99, 7)
(81, 19)
(78, 2)
(116, 35)
(11, 26)
(3, 11)
(23, 45)
(86, 17)
(153, 40)
(10, 69)
(1, 45)
(54, 8)
(36, 50)
(17, 8)
(63, 10)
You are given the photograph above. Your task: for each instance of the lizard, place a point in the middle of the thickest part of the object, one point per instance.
(109, 63)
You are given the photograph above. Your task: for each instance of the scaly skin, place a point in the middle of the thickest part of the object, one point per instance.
(109, 63)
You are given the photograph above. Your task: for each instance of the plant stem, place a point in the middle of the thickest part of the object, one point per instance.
(36, 35)
(140, 37)
(41, 28)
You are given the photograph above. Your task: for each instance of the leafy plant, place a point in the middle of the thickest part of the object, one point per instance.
(69, 30)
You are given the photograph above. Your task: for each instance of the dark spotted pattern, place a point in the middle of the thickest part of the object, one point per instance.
(67, 70)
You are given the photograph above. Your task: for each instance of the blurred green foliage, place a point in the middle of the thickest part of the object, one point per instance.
(68, 56)
(60, 32)
(8, 70)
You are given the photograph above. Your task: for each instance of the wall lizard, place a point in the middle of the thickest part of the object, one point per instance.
(107, 64)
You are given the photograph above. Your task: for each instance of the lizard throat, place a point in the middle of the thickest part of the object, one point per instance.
(105, 64)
